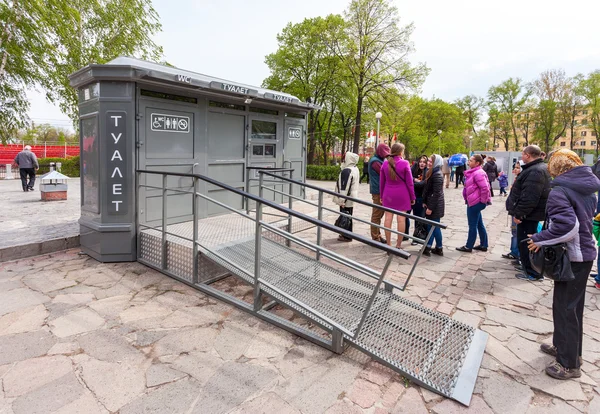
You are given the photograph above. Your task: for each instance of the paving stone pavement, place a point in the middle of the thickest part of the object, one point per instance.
(30, 226)
(79, 336)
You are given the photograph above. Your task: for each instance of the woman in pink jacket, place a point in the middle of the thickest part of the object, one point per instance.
(397, 190)
(477, 197)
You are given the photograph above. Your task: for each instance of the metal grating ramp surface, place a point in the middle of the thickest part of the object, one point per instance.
(428, 347)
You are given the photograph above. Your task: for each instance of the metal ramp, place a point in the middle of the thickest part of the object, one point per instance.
(345, 302)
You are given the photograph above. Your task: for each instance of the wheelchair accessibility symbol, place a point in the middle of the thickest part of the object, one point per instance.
(170, 123)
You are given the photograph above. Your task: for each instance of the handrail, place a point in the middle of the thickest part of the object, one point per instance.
(348, 234)
(366, 203)
(275, 169)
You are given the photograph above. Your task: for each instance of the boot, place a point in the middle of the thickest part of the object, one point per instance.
(427, 251)
(438, 250)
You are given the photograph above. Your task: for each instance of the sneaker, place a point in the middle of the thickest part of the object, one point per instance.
(516, 262)
(525, 276)
(549, 349)
(593, 275)
(509, 256)
(597, 285)
(464, 249)
(480, 248)
(556, 370)
(344, 239)
(413, 243)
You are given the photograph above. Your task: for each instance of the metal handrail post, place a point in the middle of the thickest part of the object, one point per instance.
(412, 270)
(372, 298)
(195, 236)
(257, 247)
(320, 218)
(290, 202)
(247, 190)
(164, 221)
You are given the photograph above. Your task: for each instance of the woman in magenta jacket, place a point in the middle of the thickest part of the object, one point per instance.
(397, 189)
(477, 197)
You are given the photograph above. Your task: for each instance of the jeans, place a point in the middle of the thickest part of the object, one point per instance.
(452, 175)
(491, 189)
(437, 234)
(514, 245)
(502, 190)
(567, 314)
(476, 226)
(376, 216)
(526, 227)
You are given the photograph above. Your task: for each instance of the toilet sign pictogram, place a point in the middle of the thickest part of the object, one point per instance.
(170, 123)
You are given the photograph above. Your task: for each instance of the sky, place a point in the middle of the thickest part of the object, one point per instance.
(469, 45)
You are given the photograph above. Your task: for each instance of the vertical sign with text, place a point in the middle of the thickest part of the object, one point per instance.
(117, 162)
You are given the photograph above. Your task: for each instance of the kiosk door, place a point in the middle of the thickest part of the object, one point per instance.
(294, 151)
(265, 149)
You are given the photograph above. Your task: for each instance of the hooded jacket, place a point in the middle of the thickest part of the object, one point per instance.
(348, 180)
(491, 169)
(570, 210)
(529, 194)
(433, 194)
(477, 187)
(375, 163)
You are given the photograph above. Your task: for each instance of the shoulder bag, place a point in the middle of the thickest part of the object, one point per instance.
(553, 261)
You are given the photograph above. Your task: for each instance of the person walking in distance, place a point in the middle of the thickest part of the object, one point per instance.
(527, 204)
(374, 170)
(503, 183)
(446, 170)
(569, 213)
(28, 165)
(365, 171)
(397, 190)
(477, 197)
(460, 175)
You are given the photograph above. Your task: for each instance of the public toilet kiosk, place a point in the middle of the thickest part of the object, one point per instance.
(138, 115)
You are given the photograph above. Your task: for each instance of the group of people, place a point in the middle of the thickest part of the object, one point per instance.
(560, 193)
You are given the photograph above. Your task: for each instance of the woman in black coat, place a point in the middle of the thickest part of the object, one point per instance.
(433, 202)
(491, 169)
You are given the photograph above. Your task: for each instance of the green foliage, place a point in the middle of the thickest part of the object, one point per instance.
(43, 42)
(509, 98)
(323, 172)
(70, 165)
(589, 89)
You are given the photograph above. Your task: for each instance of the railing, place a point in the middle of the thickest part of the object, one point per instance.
(273, 182)
(261, 228)
(321, 208)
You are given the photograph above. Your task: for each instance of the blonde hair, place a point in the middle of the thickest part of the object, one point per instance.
(396, 150)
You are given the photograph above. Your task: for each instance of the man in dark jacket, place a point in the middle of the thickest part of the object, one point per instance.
(527, 204)
(374, 168)
(460, 175)
(28, 165)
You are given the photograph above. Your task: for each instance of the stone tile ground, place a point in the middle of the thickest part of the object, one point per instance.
(78, 336)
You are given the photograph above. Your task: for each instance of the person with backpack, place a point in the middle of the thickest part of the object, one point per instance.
(397, 190)
(491, 169)
(347, 184)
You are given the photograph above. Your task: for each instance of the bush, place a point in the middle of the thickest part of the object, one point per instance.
(327, 172)
(70, 166)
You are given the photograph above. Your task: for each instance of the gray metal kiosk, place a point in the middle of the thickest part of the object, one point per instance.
(142, 115)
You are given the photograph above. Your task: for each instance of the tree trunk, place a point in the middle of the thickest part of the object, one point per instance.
(357, 128)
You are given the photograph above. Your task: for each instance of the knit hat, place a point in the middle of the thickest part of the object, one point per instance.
(562, 161)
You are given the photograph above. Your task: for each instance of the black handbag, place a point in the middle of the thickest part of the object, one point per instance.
(344, 222)
(420, 230)
(552, 262)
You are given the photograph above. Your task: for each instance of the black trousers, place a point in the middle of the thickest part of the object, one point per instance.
(526, 227)
(491, 189)
(567, 312)
(364, 174)
(460, 177)
(25, 172)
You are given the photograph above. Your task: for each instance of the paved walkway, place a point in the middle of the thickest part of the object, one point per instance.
(78, 336)
(30, 226)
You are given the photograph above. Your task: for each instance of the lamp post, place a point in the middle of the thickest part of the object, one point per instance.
(470, 144)
(378, 115)
(486, 145)
(439, 131)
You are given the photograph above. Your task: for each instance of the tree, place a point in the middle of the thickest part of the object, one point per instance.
(552, 92)
(589, 89)
(438, 115)
(574, 105)
(471, 107)
(509, 98)
(43, 42)
(499, 125)
(375, 50)
(305, 66)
